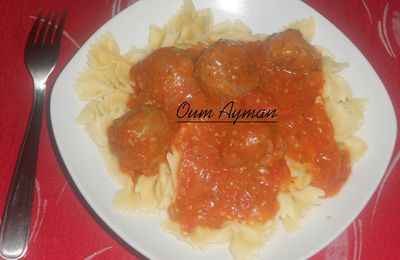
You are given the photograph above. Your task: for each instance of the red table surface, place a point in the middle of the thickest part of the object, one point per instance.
(63, 226)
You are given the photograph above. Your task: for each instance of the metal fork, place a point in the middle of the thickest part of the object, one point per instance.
(41, 53)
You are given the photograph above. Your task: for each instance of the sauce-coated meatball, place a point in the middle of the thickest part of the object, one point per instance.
(247, 145)
(226, 70)
(289, 51)
(140, 138)
(165, 77)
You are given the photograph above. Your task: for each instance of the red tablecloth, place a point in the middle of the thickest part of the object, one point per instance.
(63, 228)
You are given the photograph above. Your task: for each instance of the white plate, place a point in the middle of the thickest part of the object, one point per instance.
(130, 28)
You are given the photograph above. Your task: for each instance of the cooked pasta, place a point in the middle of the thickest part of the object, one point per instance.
(105, 87)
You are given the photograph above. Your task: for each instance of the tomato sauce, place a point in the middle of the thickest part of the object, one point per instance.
(235, 171)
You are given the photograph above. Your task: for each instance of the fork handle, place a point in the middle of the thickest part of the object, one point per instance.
(14, 230)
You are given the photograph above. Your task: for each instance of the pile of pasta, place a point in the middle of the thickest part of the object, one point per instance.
(105, 88)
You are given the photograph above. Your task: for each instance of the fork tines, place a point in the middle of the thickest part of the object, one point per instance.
(50, 32)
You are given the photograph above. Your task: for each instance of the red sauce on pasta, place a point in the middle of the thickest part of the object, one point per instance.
(231, 171)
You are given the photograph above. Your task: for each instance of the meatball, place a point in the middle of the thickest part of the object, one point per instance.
(289, 51)
(226, 70)
(139, 139)
(249, 145)
(165, 77)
